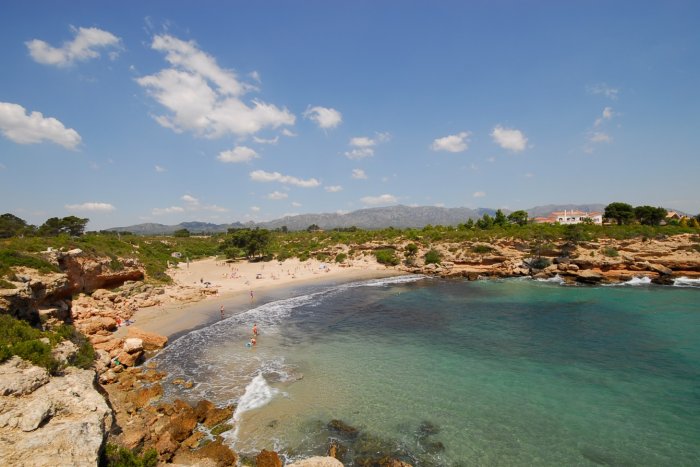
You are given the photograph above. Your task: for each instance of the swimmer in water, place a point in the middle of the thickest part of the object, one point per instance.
(255, 329)
(253, 341)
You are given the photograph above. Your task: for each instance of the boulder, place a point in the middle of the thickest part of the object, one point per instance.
(317, 462)
(210, 415)
(129, 359)
(663, 270)
(19, 377)
(218, 452)
(151, 341)
(589, 276)
(34, 413)
(268, 459)
(133, 345)
(97, 323)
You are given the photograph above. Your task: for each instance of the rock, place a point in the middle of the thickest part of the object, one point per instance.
(343, 428)
(35, 413)
(219, 452)
(663, 270)
(182, 423)
(268, 459)
(141, 397)
(151, 341)
(427, 428)
(166, 446)
(588, 276)
(97, 323)
(317, 462)
(133, 345)
(67, 421)
(64, 351)
(18, 377)
(210, 415)
(337, 450)
(108, 377)
(129, 359)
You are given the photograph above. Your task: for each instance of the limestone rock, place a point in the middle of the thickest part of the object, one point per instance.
(589, 277)
(18, 377)
(317, 462)
(151, 341)
(133, 345)
(268, 459)
(64, 351)
(663, 270)
(129, 359)
(35, 413)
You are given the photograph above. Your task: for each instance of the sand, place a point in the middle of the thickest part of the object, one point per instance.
(234, 283)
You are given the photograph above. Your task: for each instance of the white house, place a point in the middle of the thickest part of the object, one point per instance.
(570, 217)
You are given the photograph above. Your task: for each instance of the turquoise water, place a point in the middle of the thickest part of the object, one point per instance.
(436, 372)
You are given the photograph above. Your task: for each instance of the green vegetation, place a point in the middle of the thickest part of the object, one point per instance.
(539, 263)
(117, 456)
(17, 337)
(610, 252)
(181, 233)
(432, 257)
(648, 215)
(481, 249)
(340, 257)
(622, 213)
(387, 257)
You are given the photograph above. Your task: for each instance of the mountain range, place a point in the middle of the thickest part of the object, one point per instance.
(399, 216)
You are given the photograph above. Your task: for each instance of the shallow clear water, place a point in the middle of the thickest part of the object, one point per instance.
(513, 372)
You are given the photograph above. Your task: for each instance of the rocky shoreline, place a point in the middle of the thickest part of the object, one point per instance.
(70, 416)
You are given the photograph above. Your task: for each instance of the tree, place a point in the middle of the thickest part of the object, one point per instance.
(500, 220)
(313, 228)
(485, 223)
(649, 215)
(518, 217)
(622, 213)
(252, 242)
(12, 226)
(74, 226)
(50, 228)
(181, 233)
(410, 250)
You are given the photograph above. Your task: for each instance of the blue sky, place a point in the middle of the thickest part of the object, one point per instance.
(130, 112)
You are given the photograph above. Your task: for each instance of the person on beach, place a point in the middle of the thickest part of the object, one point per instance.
(253, 341)
(255, 329)
(222, 312)
(251, 296)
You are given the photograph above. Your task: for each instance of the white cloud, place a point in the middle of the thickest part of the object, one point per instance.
(21, 128)
(359, 174)
(479, 194)
(255, 208)
(324, 117)
(160, 169)
(296, 204)
(333, 188)
(608, 114)
(238, 154)
(266, 141)
(599, 137)
(381, 199)
(277, 195)
(359, 153)
(507, 138)
(92, 207)
(288, 132)
(262, 176)
(170, 210)
(204, 98)
(452, 143)
(81, 48)
(363, 145)
(603, 89)
(191, 200)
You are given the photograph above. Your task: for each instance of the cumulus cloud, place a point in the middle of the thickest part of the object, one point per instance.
(359, 174)
(277, 195)
(363, 146)
(262, 176)
(507, 138)
(333, 188)
(21, 128)
(238, 154)
(160, 169)
(324, 117)
(170, 210)
(204, 98)
(91, 207)
(381, 199)
(296, 204)
(479, 194)
(604, 90)
(189, 199)
(255, 208)
(452, 143)
(81, 48)
(607, 114)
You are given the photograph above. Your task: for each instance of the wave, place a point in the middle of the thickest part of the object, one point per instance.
(686, 282)
(642, 280)
(257, 394)
(557, 279)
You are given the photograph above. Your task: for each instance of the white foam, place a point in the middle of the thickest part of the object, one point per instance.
(686, 282)
(642, 280)
(257, 394)
(557, 279)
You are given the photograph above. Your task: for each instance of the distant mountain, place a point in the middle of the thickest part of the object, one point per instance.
(374, 218)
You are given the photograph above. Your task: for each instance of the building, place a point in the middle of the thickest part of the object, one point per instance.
(566, 217)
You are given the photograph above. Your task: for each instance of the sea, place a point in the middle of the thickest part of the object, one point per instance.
(440, 372)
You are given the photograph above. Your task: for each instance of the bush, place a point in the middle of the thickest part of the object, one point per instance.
(432, 257)
(539, 263)
(481, 249)
(340, 257)
(117, 456)
(610, 252)
(386, 257)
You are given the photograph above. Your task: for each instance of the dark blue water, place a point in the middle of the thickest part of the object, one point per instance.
(500, 372)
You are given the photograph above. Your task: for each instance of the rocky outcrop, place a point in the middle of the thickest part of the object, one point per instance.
(317, 462)
(50, 421)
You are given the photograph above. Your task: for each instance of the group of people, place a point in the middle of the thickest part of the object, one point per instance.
(253, 339)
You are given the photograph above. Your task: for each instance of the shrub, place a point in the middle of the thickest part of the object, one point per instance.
(340, 257)
(386, 257)
(539, 263)
(481, 249)
(7, 285)
(610, 252)
(432, 257)
(410, 250)
(117, 456)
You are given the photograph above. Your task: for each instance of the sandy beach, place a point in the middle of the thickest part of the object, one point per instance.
(238, 286)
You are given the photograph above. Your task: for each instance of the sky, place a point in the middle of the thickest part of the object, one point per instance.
(171, 111)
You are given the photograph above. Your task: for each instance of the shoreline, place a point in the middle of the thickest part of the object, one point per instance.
(173, 319)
